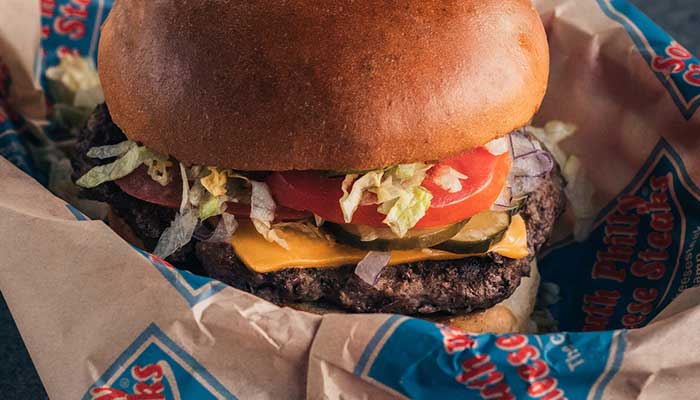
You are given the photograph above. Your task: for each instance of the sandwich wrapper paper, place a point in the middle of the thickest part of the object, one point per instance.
(104, 320)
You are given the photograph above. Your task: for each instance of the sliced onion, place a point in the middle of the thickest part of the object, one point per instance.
(372, 265)
(531, 164)
(536, 163)
(521, 144)
(504, 202)
(262, 205)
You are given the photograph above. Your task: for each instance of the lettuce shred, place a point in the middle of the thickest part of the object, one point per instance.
(117, 169)
(449, 179)
(397, 194)
(74, 81)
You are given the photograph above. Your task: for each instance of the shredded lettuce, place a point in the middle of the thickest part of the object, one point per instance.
(408, 210)
(111, 150)
(262, 205)
(75, 81)
(181, 229)
(197, 194)
(580, 191)
(211, 207)
(178, 234)
(409, 172)
(271, 235)
(158, 170)
(215, 182)
(351, 199)
(449, 179)
(551, 135)
(396, 190)
(262, 213)
(117, 169)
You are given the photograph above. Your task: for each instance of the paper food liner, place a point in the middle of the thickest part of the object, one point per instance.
(104, 320)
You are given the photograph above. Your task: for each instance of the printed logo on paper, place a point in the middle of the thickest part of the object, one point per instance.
(193, 288)
(674, 66)
(155, 368)
(642, 252)
(460, 365)
(70, 27)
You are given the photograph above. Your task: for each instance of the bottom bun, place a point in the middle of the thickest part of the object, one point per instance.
(512, 315)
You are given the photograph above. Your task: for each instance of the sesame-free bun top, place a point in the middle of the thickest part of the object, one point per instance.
(329, 85)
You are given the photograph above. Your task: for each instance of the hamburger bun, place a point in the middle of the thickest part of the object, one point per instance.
(332, 85)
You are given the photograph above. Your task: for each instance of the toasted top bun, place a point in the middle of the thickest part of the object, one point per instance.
(308, 84)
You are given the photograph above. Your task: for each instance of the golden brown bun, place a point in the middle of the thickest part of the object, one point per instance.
(510, 316)
(308, 84)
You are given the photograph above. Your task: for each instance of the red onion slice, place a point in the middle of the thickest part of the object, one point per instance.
(536, 163)
(369, 268)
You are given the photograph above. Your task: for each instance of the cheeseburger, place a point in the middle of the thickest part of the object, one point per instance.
(347, 156)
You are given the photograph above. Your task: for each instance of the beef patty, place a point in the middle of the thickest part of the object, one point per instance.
(423, 287)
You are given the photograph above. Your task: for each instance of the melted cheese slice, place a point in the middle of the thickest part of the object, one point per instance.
(306, 251)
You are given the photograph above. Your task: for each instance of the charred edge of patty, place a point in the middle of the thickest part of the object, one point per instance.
(426, 287)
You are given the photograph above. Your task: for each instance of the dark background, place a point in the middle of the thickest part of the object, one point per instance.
(18, 379)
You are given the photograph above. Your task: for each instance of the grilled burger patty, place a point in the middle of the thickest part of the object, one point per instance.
(424, 287)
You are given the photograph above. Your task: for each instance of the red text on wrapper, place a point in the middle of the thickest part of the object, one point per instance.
(71, 21)
(149, 384)
(531, 368)
(675, 61)
(455, 340)
(621, 259)
(478, 372)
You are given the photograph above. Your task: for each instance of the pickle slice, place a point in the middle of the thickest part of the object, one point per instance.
(478, 234)
(383, 239)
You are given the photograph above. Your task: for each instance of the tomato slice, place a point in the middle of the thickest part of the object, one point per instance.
(140, 185)
(311, 191)
(281, 213)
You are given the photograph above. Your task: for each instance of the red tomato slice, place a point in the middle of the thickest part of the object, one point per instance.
(140, 185)
(281, 213)
(311, 191)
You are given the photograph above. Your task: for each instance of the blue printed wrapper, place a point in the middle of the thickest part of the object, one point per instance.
(619, 301)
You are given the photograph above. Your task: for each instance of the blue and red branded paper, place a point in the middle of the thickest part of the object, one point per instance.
(675, 67)
(69, 27)
(154, 367)
(641, 254)
(643, 250)
(193, 288)
(422, 360)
